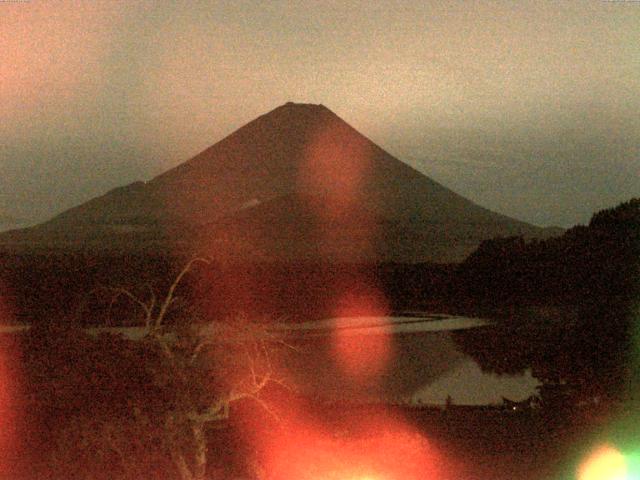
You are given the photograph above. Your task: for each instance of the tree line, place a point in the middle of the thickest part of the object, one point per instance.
(567, 307)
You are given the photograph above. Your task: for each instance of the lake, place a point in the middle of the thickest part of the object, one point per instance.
(400, 359)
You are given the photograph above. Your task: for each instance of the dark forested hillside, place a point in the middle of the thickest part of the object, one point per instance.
(566, 306)
(595, 263)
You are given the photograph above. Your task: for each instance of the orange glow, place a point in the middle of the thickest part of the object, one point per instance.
(6, 414)
(373, 446)
(336, 163)
(51, 53)
(335, 170)
(8, 396)
(361, 357)
(605, 463)
(383, 449)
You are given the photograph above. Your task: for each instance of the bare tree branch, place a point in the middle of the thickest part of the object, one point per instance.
(169, 298)
(239, 352)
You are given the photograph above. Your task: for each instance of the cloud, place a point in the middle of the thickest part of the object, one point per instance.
(113, 90)
(51, 60)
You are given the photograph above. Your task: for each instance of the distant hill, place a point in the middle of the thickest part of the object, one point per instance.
(297, 183)
(8, 222)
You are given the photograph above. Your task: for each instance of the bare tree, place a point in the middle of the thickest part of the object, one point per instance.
(206, 367)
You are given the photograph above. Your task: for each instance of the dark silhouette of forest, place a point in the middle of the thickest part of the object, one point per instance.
(70, 287)
(565, 307)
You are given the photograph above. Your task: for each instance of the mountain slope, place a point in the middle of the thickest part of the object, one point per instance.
(295, 183)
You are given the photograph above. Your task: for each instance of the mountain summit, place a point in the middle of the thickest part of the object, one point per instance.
(297, 183)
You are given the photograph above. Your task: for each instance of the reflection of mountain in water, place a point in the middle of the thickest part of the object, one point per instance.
(426, 365)
(295, 183)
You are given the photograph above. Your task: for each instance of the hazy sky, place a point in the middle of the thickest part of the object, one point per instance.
(528, 108)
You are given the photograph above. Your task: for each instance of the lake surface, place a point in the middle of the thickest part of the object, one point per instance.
(423, 363)
(407, 359)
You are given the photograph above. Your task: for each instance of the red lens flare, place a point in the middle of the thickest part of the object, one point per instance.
(9, 396)
(336, 164)
(361, 354)
(381, 449)
(333, 175)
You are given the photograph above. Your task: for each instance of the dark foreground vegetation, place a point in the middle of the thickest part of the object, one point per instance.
(107, 407)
